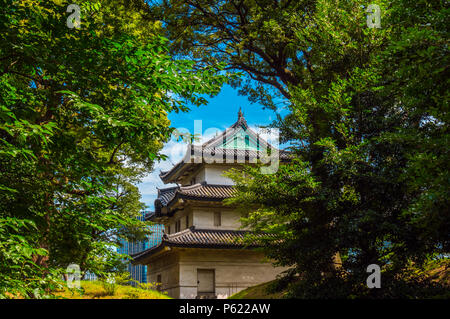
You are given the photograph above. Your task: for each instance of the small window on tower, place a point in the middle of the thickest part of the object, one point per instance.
(168, 229)
(187, 221)
(217, 219)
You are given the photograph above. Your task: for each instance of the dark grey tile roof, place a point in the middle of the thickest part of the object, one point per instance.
(149, 215)
(220, 156)
(207, 237)
(200, 238)
(211, 151)
(207, 191)
(241, 154)
(241, 123)
(197, 191)
(165, 195)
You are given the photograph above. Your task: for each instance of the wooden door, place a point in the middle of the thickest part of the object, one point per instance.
(205, 281)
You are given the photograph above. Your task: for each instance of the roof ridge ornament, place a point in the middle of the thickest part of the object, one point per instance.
(240, 114)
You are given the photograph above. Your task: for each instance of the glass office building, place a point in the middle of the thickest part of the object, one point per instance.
(139, 272)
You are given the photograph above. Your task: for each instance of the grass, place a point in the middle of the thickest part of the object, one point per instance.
(259, 292)
(96, 290)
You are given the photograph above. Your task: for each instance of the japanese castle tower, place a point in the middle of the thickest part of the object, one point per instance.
(200, 255)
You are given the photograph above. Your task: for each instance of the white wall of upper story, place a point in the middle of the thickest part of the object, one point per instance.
(203, 218)
(184, 216)
(211, 174)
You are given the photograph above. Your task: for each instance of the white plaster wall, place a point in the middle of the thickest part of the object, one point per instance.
(201, 176)
(214, 175)
(211, 174)
(188, 292)
(182, 216)
(172, 227)
(204, 218)
(235, 270)
(169, 269)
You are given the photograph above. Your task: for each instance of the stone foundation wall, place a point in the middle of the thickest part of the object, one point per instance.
(235, 270)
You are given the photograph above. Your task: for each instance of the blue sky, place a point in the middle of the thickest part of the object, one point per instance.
(220, 113)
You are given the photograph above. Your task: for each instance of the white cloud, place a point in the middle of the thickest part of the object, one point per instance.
(175, 151)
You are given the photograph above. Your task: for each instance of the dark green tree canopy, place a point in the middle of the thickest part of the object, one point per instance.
(256, 38)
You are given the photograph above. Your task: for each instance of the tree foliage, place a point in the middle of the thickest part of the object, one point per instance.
(367, 122)
(254, 37)
(83, 116)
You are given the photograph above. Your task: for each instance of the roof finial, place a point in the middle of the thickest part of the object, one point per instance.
(240, 115)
